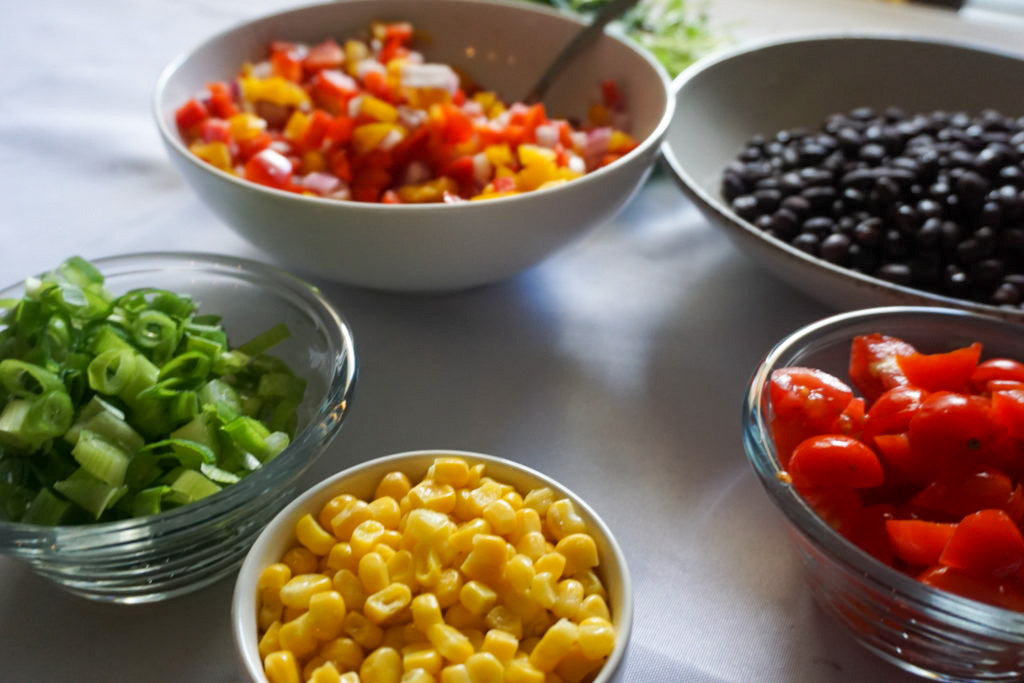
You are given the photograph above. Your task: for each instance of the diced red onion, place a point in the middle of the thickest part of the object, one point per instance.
(597, 142)
(390, 140)
(547, 135)
(411, 118)
(341, 80)
(262, 69)
(414, 58)
(367, 65)
(472, 108)
(342, 192)
(280, 146)
(433, 76)
(354, 105)
(280, 162)
(417, 172)
(579, 140)
(321, 183)
(482, 168)
(577, 164)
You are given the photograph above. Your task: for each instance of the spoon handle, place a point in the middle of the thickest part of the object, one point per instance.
(580, 42)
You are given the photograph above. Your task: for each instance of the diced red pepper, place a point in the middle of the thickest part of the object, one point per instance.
(190, 114)
(326, 55)
(222, 102)
(269, 168)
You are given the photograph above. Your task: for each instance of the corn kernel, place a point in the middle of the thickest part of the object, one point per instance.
(455, 673)
(365, 536)
(483, 495)
(360, 629)
(351, 516)
(299, 589)
(269, 642)
(501, 644)
(373, 573)
(326, 613)
(561, 519)
(427, 567)
(387, 602)
(391, 538)
(351, 589)
(385, 510)
(503, 619)
(521, 671)
(385, 551)
(344, 653)
(486, 562)
(543, 590)
(465, 509)
(532, 544)
(324, 673)
(483, 667)
(268, 614)
(426, 611)
(462, 539)
(513, 499)
(417, 676)
(433, 496)
(312, 536)
(539, 624)
(575, 667)
(552, 563)
(527, 520)
(291, 613)
(448, 587)
(580, 552)
(501, 516)
(591, 583)
(394, 637)
(539, 500)
(332, 508)
(350, 677)
(553, 645)
(522, 605)
(596, 637)
(422, 656)
(298, 637)
(519, 572)
(526, 645)
(300, 560)
(402, 568)
(451, 470)
(427, 527)
(570, 597)
(341, 557)
(448, 641)
(393, 485)
(414, 636)
(281, 667)
(274, 576)
(311, 665)
(477, 597)
(383, 665)
(592, 606)
(458, 616)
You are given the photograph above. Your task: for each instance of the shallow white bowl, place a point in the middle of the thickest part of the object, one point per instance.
(724, 100)
(361, 481)
(504, 46)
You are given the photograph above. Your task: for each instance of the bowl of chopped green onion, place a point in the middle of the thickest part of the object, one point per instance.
(156, 411)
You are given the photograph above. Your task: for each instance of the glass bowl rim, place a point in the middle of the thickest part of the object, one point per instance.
(761, 455)
(310, 438)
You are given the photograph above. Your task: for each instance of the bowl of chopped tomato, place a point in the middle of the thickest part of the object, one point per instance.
(384, 143)
(893, 441)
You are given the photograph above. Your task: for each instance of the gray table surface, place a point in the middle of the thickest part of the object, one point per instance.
(617, 367)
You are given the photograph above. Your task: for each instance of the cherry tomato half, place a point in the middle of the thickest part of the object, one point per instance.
(834, 460)
(874, 365)
(917, 542)
(941, 371)
(986, 543)
(949, 425)
(891, 413)
(993, 369)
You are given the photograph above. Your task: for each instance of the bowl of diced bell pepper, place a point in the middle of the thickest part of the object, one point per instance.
(893, 441)
(383, 143)
(156, 410)
(434, 565)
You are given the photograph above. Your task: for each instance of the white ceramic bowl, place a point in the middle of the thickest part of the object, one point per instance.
(724, 100)
(504, 46)
(360, 481)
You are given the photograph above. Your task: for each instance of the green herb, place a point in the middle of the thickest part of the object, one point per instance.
(113, 407)
(677, 32)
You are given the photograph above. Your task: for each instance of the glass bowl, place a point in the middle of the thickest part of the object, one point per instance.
(361, 481)
(158, 557)
(916, 627)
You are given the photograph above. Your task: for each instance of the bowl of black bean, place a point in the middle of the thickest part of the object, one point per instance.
(863, 169)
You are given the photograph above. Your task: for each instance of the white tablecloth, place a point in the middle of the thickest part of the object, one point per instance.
(616, 367)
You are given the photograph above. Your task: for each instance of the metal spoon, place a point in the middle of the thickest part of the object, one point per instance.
(582, 40)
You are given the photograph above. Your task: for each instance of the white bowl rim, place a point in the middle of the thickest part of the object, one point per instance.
(248, 650)
(697, 194)
(653, 138)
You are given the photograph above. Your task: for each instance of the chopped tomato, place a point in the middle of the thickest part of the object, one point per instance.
(986, 543)
(192, 113)
(833, 460)
(1006, 594)
(941, 371)
(874, 363)
(1002, 369)
(917, 542)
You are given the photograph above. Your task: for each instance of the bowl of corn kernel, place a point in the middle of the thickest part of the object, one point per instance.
(433, 566)
(385, 143)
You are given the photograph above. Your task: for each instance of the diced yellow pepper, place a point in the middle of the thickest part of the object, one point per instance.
(369, 135)
(355, 52)
(275, 89)
(378, 109)
(499, 155)
(297, 124)
(430, 191)
(215, 153)
(620, 141)
(246, 126)
(534, 154)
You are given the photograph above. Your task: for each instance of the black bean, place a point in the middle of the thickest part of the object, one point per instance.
(819, 225)
(868, 232)
(767, 200)
(991, 214)
(1007, 294)
(908, 220)
(745, 206)
(807, 242)
(873, 153)
(929, 208)
(821, 198)
(897, 273)
(764, 222)
(955, 281)
(862, 179)
(733, 186)
(987, 273)
(1013, 175)
(835, 248)
(797, 204)
(816, 176)
(785, 224)
(972, 188)
(930, 234)
(791, 182)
